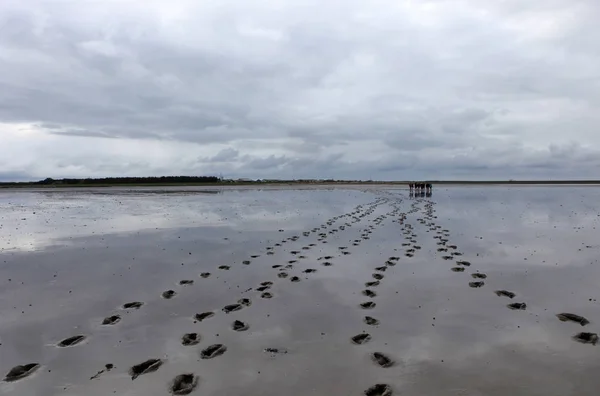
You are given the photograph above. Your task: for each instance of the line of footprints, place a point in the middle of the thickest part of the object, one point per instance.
(186, 383)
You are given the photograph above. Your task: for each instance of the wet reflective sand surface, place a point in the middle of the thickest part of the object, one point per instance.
(342, 291)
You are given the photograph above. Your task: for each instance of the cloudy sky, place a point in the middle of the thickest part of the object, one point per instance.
(381, 89)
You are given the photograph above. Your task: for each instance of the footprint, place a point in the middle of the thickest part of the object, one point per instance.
(246, 262)
(266, 283)
(295, 279)
(367, 305)
(476, 284)
(186, 282)
(309, 270)
(505, 293)
(213, 351)
(379, 390)
(149, 366)
(378, 276)
(21, 371)
(457, 269)
(361, 338)
(245, 301)
(564, 317)
(184, 384)
(263, 288)
(462, 262)
(111, 320)
(168, 294)
(382, 269)
(238, 325)
(390, 263)
(282, 275)
(205, 315)
(190, 339)
(369, 293)
(371, 321)
(205, 274)
(266, 295)
(586, 338)
(224, 267)
(372, 284)
(134, 305)
(447, 257)
(276, 266)
(71, 341)
(382, 360)
(517, 306)
(232, 307)
(479, 275)
(326, 264)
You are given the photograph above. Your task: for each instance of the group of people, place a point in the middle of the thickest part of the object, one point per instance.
(420, 187)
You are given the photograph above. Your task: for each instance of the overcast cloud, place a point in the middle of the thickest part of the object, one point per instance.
(382, 89)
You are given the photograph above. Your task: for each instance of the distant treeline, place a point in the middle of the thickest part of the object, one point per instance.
(123, 181)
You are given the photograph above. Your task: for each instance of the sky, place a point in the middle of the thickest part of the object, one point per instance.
(378, 89)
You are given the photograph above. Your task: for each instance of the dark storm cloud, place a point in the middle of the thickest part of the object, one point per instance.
(350, 89)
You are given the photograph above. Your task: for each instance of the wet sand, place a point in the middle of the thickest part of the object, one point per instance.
(300, 291)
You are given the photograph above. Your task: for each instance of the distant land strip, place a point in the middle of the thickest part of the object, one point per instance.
(217, 181)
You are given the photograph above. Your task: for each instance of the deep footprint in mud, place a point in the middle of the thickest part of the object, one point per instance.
(379, 390)
(189, 339)
(367, 305)
(565, 317)
(133, 305)
(205, 315)
(476, 284)
(111, 320)
(360, 339)
(517, 306)
(184, 384)
(149, 366)
(238, 325)
(369, 293)
(505, 293)
(71, 341)
(371, 321)
(168, 294)
(382, 360)
(245, 301)
(21, 371)
(232, 308)
(586, 338)
(213, 351)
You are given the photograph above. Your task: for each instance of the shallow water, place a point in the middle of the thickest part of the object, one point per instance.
(84, 253)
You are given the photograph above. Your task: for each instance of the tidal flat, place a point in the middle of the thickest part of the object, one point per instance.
(342, 290)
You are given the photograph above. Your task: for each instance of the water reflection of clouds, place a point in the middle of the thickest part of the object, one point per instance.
(34, 220)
